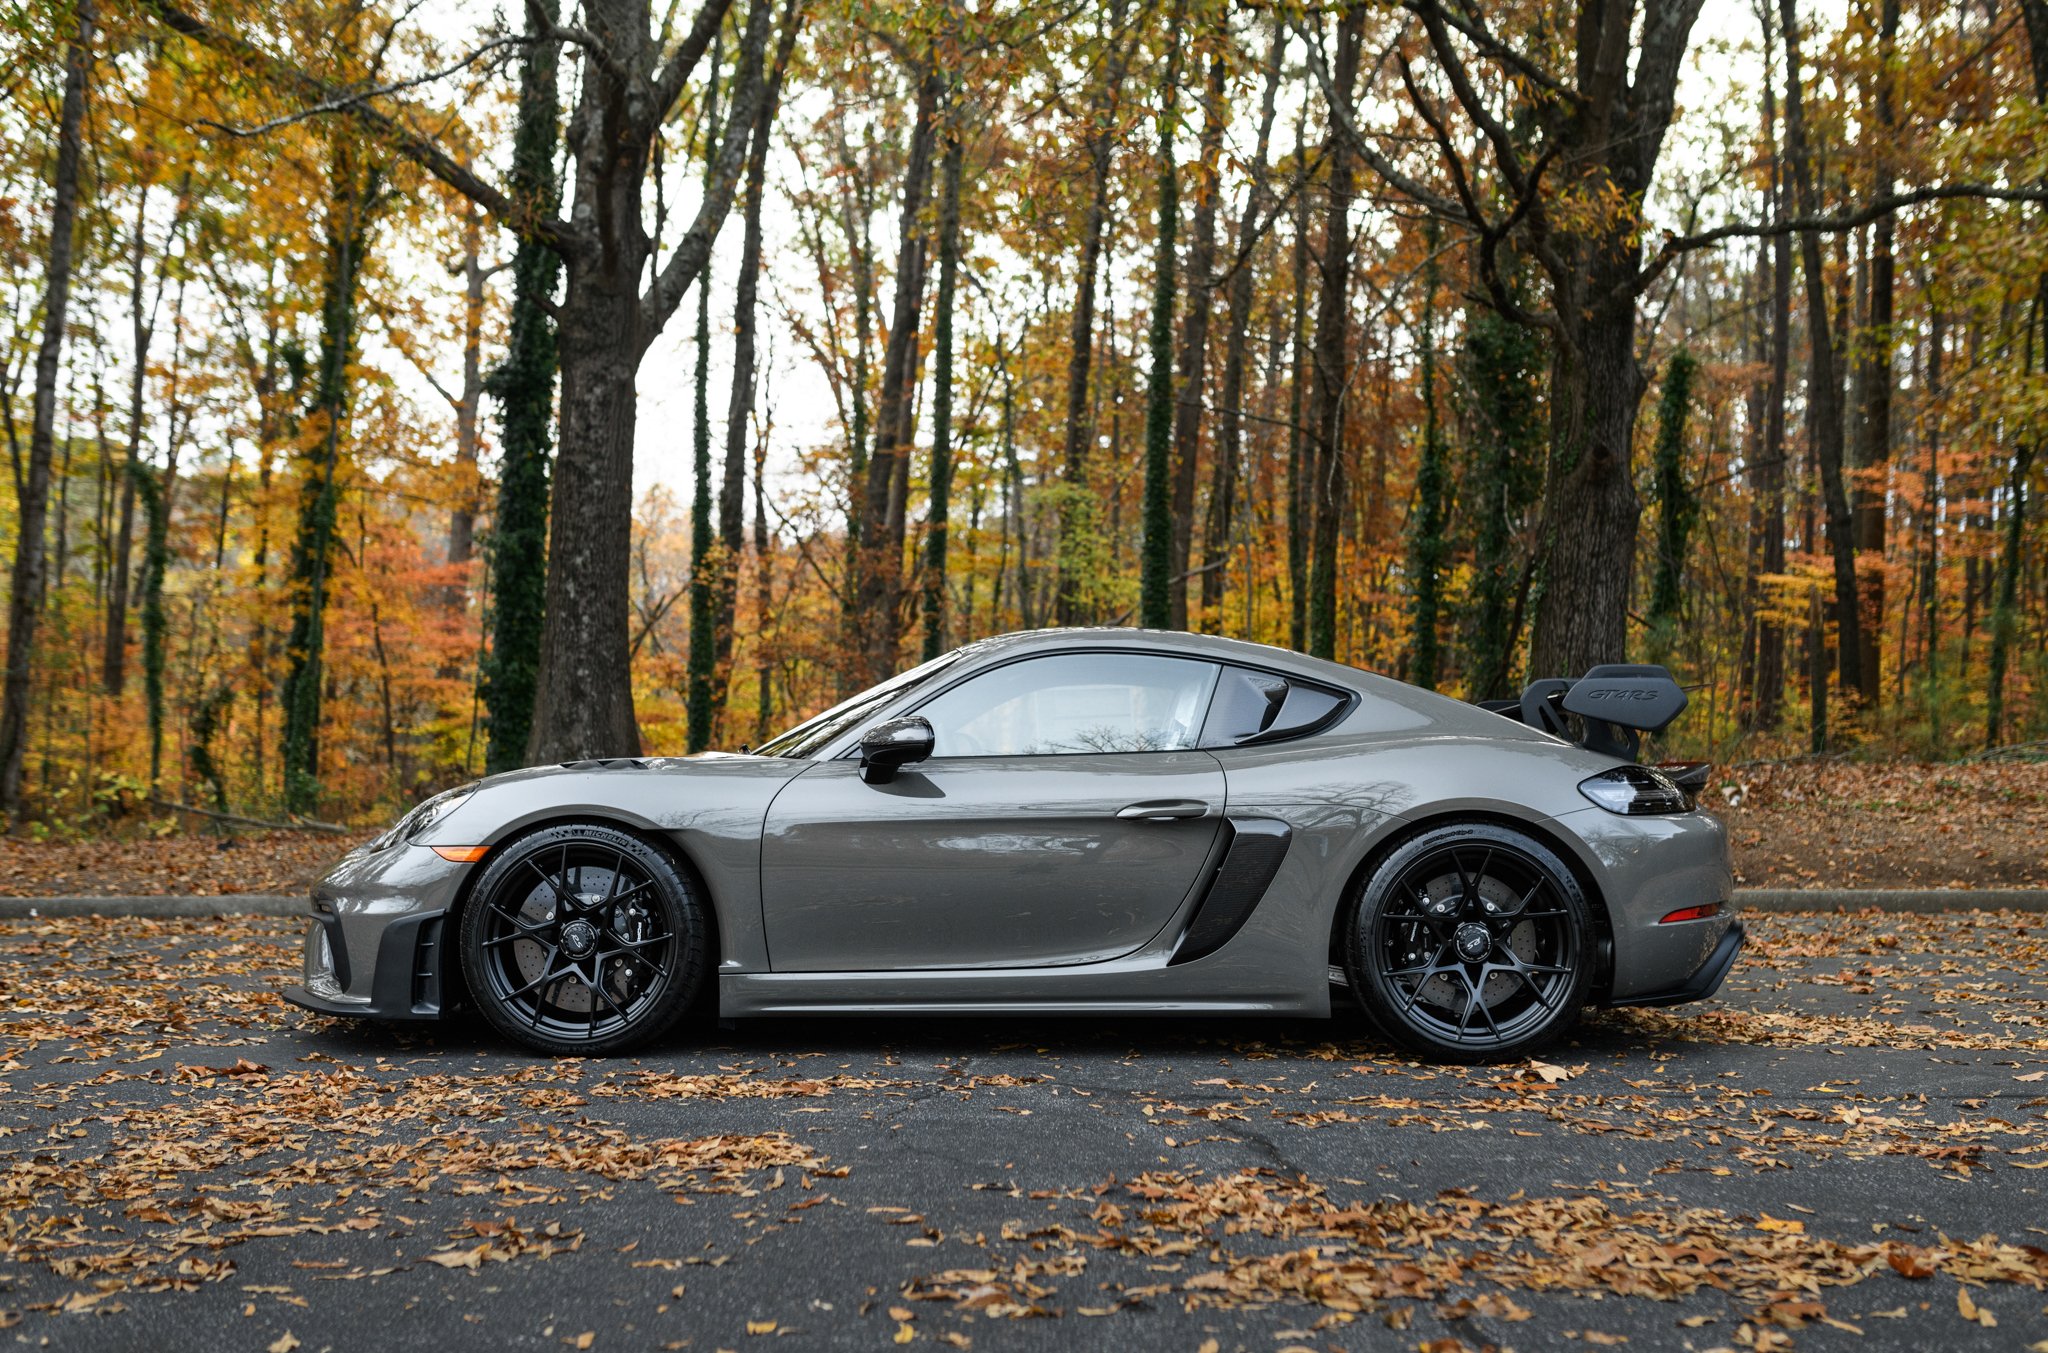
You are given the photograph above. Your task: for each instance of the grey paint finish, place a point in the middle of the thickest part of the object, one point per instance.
(984, 862)
(1009, 883)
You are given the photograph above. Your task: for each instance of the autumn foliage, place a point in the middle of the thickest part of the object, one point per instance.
(1345, 328)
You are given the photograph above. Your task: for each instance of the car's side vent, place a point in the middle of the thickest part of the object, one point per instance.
(1257, 847)
(426, 967)
(607, 763)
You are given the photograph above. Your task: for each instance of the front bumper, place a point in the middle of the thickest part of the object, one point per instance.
(404, 983)
(377, 944)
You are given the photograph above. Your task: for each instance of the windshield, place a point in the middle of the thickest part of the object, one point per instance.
(808, 736)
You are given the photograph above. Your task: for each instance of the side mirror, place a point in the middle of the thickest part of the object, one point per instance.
(888, 747)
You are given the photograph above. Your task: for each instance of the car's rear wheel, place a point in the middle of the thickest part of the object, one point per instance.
(583, 939)
(1471, 941)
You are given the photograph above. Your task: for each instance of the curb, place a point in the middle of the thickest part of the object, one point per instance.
(1908, 900)
(1916, 900)
(237, 904)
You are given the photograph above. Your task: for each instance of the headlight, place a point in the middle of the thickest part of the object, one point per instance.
(1636, 791)
(415, 823)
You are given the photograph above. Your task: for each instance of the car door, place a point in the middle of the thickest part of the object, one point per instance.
(1064, 816)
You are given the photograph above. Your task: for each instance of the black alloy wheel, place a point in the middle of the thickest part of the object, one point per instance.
(1471, 941)
(583, 939)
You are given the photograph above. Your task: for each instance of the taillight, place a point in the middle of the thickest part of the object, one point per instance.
(1636, 791)
(1691, 913)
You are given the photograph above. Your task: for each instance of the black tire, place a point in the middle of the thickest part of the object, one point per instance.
(1470, 942)
(615, 967)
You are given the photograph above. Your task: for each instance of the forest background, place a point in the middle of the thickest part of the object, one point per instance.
(396, 392)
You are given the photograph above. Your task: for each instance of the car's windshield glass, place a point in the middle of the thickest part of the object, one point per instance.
(808, 736)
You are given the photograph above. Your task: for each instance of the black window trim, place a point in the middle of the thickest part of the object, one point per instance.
(1343, 707)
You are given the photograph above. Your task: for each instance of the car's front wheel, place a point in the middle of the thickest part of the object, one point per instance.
(1471, 941)
(583, 939)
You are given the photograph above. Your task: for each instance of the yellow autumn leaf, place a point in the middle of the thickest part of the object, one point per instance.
(904, 1334)
(1792, 1227)
(760, 1327)
(284, 1343)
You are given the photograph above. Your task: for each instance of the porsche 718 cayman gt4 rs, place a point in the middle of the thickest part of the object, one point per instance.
(1068, 822)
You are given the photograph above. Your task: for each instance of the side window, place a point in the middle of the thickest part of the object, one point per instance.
(1255, 707)
(1073, 703)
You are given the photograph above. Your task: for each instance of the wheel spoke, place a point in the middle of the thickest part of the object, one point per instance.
(547, 971)
(598, 991)
(1478, 990)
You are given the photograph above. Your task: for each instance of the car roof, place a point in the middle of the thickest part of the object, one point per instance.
(1180, 642)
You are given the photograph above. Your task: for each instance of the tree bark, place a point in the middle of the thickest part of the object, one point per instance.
(1300, 452)
(1194, 340)
(141, 326)
(876, 620)
(941, 481)
(1223, 473)
(732, 489)
(1076, 517)
(583, 698)
(1155, 563)
(1327, 380)
(24, 601)
(699, 703)
(462, 519)
(1874, 382)
(524, 386)
(1824, 384)
(352, 196)
(1427, 548)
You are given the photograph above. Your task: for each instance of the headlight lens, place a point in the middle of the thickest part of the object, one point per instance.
(1636, 791)
(415, 823)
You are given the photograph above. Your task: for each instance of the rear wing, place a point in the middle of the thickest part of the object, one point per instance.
(1607, 710)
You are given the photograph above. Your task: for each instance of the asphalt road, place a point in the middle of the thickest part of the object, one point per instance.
(1850, 1147)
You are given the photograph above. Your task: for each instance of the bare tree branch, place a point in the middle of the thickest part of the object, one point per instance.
(421, 149)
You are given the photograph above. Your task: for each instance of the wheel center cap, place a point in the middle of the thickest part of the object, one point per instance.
(1473, 941)
(579, 938)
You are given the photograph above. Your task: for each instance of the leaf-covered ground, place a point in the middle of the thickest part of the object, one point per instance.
(197, 864)
(1844, 824)
(1849, 1148)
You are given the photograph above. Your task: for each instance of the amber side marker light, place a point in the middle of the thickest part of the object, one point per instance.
(471, 854)
(1682, 914)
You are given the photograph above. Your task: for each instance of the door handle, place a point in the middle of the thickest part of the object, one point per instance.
(1163, 810)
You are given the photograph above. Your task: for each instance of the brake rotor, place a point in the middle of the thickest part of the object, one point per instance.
(1441, 896)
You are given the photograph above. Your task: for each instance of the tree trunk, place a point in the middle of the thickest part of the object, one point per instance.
(1327, 382)
(114, 656)
(583, 698)
(1823, 386)
(1230, 416)
(942, 391)
(353, 193)
(1874, 381)
(1300, 465)
(1077, 518)
(700, 702)
(875, 621)
(732, 490)
(524, 386)
(1676, 505)
(1194, 341)
(24, 601)
(1427, 548)
(1155, 565)
(462, 520)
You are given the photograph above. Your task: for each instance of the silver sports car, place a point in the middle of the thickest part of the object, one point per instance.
(1068, 821)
